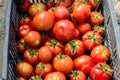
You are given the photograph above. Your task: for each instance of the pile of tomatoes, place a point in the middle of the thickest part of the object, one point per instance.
(62, 40)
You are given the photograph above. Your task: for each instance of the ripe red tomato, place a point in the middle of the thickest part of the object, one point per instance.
(65, 3)
(101, 71)
(74, 48)
(62, 32)
(23, 30)
(24, 69)
(49, 4)
(63, 63)
(84, 27)
(55, 76)
(32, 39)
(77, 75)
(95, 18)
(91, 40)
(61, 13)
(43, 69)
(99, 29)
(100, 54)
(31, 56)
(43, 21)
(94, 3)
(84, 63)
(45, 54)
(36, 78)
(36, 8)
(55, 46)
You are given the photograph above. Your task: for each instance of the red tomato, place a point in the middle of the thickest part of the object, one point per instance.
(91, 40)
(94, 3)
(55, 76)
(36, 8)
(84, 27)
(99, 29)
(77, 75)
(49, 4)
(23, 30)
(43, 69)
(84, 63)
(31, 56)
(65, 3)
(43, 21)
(76, 34)
(32, 39)
(100, 54)
(35, 78)
(101, 71)
(62, 32)
(74, 48)
(24, 69)
(45, 54)
(95, 18)
(63, 63)
(55, 46)
(61, 13)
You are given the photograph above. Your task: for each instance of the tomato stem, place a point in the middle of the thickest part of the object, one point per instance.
(105, 69)
(32, 52)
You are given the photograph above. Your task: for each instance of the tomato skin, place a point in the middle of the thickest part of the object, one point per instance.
(74, 48)
(36, 8)
(24, 20)
(100, 54)
(24, 69)
(23, 30)
(32, 39)
(94, 4)
(45, 54)
(43, 69)
(91, 40)
(65, 3)
(97, 72)
(76, 34)
(83, 63)
(55, 75)
(41, 23)
(62, 32)
(63, 63)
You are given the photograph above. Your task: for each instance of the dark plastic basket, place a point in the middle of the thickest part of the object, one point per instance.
(11, 58)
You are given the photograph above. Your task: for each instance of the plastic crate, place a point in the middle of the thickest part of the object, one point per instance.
(11, 58)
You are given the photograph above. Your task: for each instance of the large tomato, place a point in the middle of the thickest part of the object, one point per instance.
(55, 76)
(32, 39)
(64, 30)
(63, 63)
(36, 8)
(100, 54)
(24, 69)
(84, 63)
(74, 48)
(91, 39)
(65, 3)
(43, 21)
(43, 69)
(94, 3)
(101, 71)
(55, 46)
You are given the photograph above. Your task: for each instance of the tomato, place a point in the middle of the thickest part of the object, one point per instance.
(74, 48)
(77, 75)
(31, 56)
(62, 32)
(91, 40)
(23, 30)
(83, 63)
(24, 69)
(23, 5)
(49, 4)
(99, 29)
(36, 8)
(100, 54)
(94, 3)
(55, 76)
(43, 21)
(76, 34)
(96, 18)
(32, 39)
(65, 3)
(81, 13)
(55, 46)
(45, 54)
(43, 69)
(84, 27)
(35, 78)
(101, 71)
(63, 63)
(61, 13)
